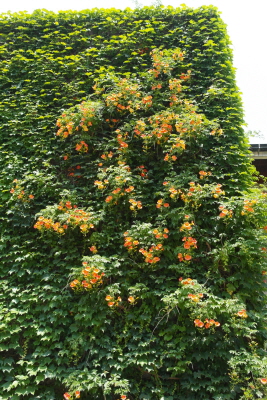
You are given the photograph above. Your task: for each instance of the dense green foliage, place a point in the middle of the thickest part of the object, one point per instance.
(131, 243)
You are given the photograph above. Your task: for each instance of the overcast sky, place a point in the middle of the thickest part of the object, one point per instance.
(247, 29)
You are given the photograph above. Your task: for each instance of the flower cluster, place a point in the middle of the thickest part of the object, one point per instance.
(66, 127)
(161, 203)
(193, 187)
(189, 242)
(242, 313)
(162, 126)
(93, 249)
(248, 206)
(119, 178)
(44, 224)
(184, 257)
(91, 278)
(67, 205)
(173, 99)
(175, 85)
(184, 76)
(79, 118)
(159, 233)
(195, 297)
(143, 172)
(157, 86)
(163, 62)
(125, 97)
(139, 128)
(174, 193)
(101, 185)
(218, 132)
(217, 191)
(109, 199)
(132, 300)
(81, 218)
(160, 131)
(192, 193)
(118, 192)
(129, 189)
(69, 216)
(187, 281)
(169, 157)
(224, 212)
(147, 100)
(107, 155)
(135, 204)
(82, 147)
(18, 191)
(187, 226)
(207, 323)
(150, 254)
(178, 143)
(115, 302)
(112, 302)
(204, 174)
(188, 126)
(130, 243)
(68, 396)
(121, 137)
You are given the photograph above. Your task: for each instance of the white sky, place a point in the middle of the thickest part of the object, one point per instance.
(247, 28)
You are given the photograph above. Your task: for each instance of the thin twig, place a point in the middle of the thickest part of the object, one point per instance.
(159, 323)
(104, 396)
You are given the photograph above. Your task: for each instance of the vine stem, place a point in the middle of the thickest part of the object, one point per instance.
(104, 396)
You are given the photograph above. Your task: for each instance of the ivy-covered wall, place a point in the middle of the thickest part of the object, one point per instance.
(57, 336)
